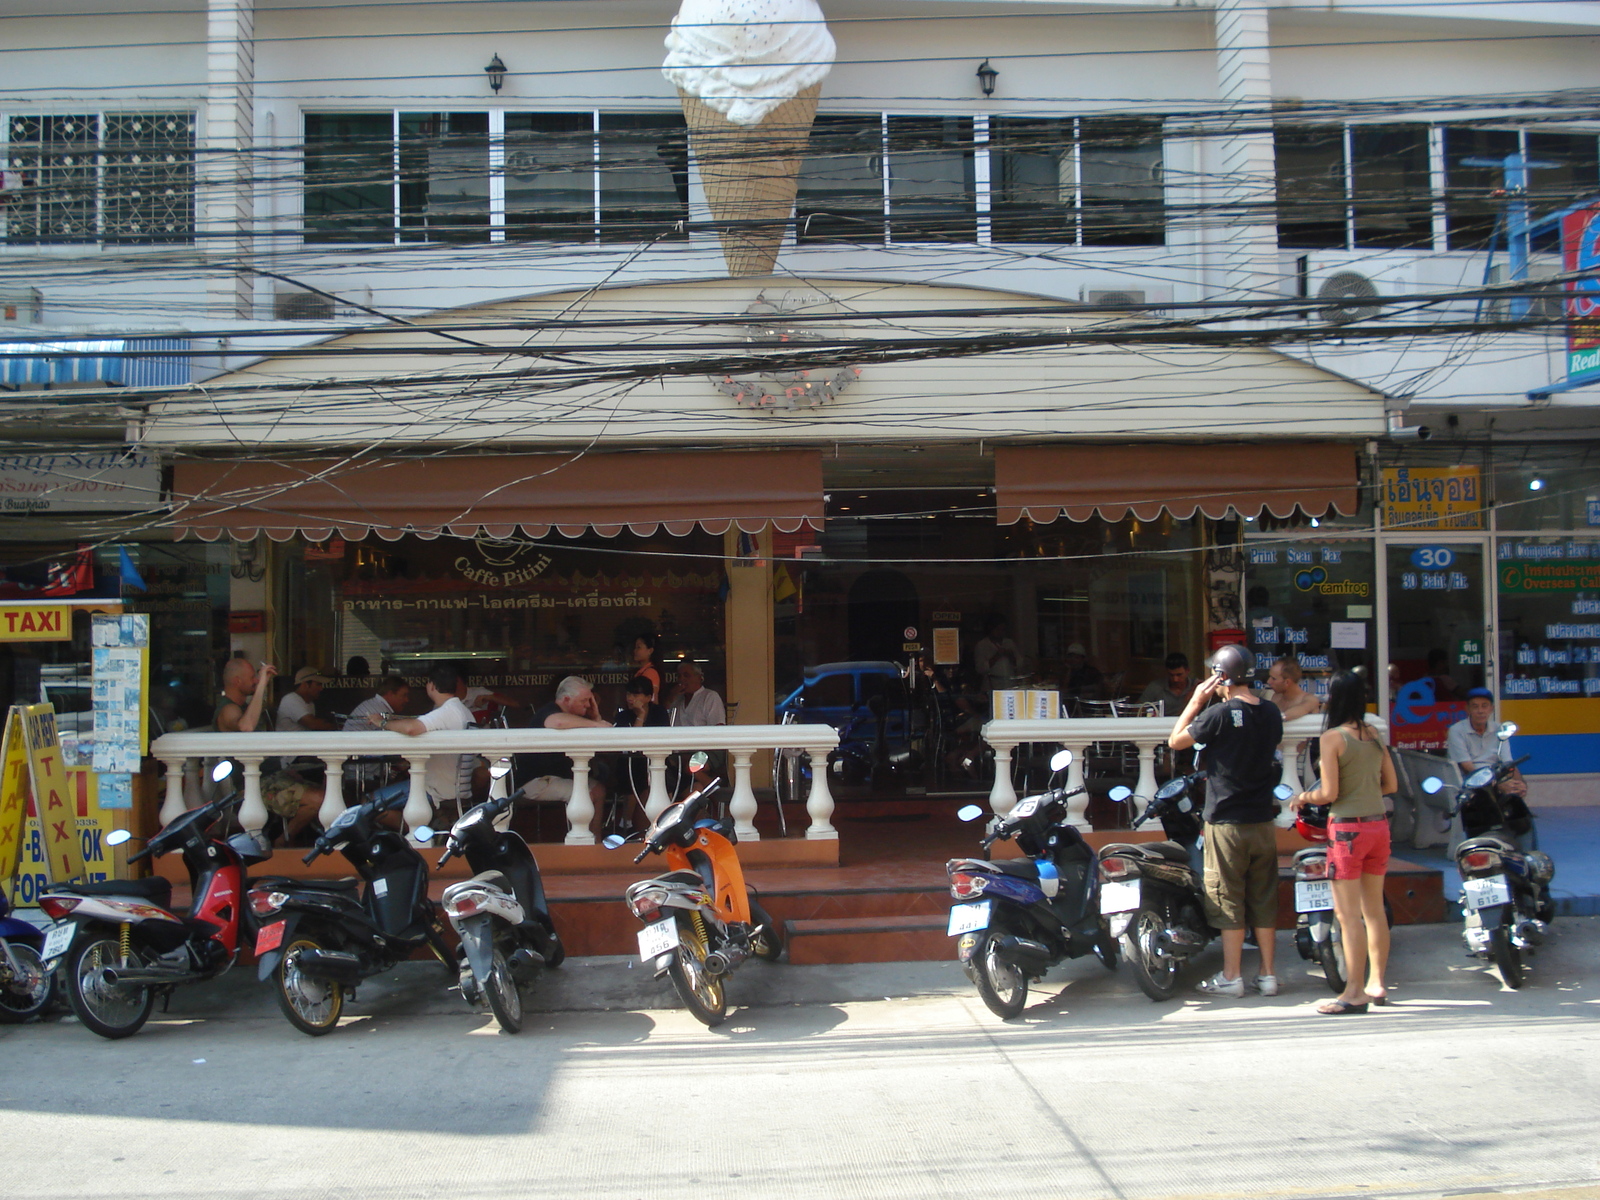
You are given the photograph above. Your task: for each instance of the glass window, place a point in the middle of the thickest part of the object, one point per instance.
(1033, 173)
(1436, 632)
(932, 196)
(1119, 177)
(550, 177)
(1392, 192)
(1574, 173)
(349, 172)
(1469, 206)
(1311, 601)
(644, 176)
(444, 177)
(123, 177)
(1088, 181)
(1567, 496)
(1311, 186)
(1549, 618)
(840, 196)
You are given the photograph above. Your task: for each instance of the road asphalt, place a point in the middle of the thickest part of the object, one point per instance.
(880, 1081)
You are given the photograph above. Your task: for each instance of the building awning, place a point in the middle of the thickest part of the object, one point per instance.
(500, 494)
(1081, 480)
(131, 362)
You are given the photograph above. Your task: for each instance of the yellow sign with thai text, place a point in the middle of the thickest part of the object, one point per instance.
(35, 623)
(1432, 498)
(14, 792)
(62, 849)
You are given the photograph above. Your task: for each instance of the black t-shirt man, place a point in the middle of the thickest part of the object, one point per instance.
(536, 766)
(1240, 774)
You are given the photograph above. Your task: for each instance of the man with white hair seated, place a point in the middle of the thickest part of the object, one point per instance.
(548, 776)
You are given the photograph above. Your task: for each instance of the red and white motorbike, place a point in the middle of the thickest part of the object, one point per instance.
(122, 940)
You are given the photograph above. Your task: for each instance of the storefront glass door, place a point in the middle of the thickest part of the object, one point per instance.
(1437, 643)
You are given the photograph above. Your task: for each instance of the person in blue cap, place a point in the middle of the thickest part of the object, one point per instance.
(1471, 743)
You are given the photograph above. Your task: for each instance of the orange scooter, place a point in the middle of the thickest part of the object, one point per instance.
(702, 919)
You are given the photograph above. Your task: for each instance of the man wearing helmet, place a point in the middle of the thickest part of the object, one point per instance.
(1241, 875)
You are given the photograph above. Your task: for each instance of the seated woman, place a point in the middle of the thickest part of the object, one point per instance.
(640, 711)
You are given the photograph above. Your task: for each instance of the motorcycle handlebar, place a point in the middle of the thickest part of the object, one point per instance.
(315, 851)
(141, 855)
(449, 853)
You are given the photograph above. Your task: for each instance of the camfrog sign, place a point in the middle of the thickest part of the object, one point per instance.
(1580, 250)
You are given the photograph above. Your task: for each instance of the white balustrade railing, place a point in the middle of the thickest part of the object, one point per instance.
(742, 742)
(1147, 735)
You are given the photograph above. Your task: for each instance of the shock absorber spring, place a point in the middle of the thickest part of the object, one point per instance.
(699, 929)
(124, 934)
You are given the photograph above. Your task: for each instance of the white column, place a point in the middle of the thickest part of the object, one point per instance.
(1078, 805)
(225, 199)
(819, 804)
(1290, 749)
(333, 791)
(656, 802)
(192, 793)
(743, 805)
(1244, 232)
(417, 810)
(580, 807)
(1002, 796)
(253, 810)
(173, 806)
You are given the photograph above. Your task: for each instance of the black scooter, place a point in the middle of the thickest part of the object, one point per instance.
(1017, 918)
(320, 937)
(500, 914)
(1505, 890)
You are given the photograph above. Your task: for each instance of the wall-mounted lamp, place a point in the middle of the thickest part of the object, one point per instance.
(496, 71)
(986, 77)
(244, 562)
(1536, 485)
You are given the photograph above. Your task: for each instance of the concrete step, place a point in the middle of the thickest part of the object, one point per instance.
(913, 938)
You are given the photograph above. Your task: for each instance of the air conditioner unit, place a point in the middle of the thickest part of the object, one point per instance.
(1548, 307)
(21, 306)
(302, 306)
(1156, 299)
(1358, 296)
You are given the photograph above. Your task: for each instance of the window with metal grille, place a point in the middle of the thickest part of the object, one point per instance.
(112, 178)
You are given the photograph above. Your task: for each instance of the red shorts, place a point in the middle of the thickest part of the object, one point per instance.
(1357, 848)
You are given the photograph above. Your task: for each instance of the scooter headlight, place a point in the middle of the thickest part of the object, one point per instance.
(646, 905)
(964, 886)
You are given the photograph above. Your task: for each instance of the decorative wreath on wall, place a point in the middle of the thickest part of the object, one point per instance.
(771, 391)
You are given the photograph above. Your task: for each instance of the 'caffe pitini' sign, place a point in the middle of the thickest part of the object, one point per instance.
(79, 482)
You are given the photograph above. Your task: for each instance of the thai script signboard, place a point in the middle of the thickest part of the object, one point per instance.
(1432, 498)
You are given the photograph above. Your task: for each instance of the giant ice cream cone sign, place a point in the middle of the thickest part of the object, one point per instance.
(749, 73)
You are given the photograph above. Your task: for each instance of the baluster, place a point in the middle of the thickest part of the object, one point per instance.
(1002, 796)
(1078, 805)
(819, 804)
(333, 792)
(1291, 762)
(580, 806)
(1145, 789)
(193, 797)
(656, 802)
(253, 811)
(743, 805)
(176, 803)
(417, 810)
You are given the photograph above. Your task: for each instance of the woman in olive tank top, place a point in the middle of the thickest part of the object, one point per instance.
(1357, 774)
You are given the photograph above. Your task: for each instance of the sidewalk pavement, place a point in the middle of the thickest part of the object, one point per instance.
(1570, 835)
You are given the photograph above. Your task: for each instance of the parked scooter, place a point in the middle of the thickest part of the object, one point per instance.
(1016, 918)
(26, 988)
(1168, 925)
(702, 919)
(123, 942)
(1505, 890)
(500, 914)
(321, 937)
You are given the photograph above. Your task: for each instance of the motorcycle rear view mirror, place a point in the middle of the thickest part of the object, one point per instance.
(1433, 785)
(1120, 793)
(1506, 731)
(222, 770)
(1283, 791)
(613, 840)
(698, 761)
(500, 770)
(970, 812)
(118, 836)
(1061, 760)
(423, 834)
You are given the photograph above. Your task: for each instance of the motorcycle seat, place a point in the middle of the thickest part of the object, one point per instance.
(1018, 868)
(155, 889)
(1168, 851)
(494, 879)
(1487, 842)
(283, 883)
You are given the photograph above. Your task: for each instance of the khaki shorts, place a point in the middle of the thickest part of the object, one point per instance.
(1241, 889)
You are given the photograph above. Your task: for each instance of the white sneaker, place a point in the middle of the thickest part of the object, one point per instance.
(1267, 985)
(1218, 985)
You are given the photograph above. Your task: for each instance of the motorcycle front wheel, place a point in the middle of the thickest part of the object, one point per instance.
(1002, 985)
(702, 994)
(28, 992)
(111, 1010)
(1156, 973)
(312, 1005)
(504, 998)
(1507, 956)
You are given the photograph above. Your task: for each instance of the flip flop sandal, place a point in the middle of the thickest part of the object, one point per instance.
(1338, 1008)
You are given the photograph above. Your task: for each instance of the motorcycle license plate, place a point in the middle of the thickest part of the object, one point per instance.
(1484, 893)
(270, 938)
(1119, 897)
(655, 940)
(968, 918)
(1313, 895)
(59, 940)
